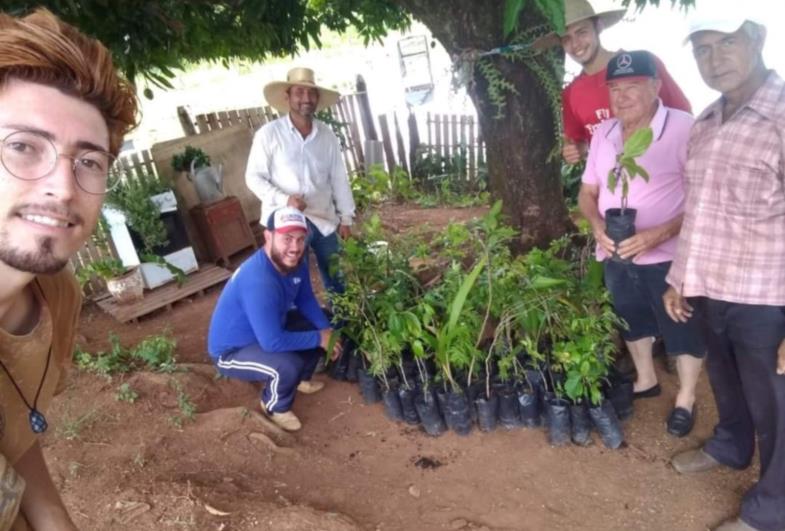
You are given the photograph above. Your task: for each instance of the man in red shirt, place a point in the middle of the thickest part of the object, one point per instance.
(585, 100)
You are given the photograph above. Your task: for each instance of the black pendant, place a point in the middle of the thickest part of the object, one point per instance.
(37, 421)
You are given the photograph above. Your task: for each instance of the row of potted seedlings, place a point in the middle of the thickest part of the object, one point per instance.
(481, 337)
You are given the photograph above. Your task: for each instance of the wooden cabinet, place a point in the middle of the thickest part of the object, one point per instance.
(223, 228)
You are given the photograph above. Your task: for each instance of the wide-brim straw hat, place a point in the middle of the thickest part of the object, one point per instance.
(275, 91)
(575, 11)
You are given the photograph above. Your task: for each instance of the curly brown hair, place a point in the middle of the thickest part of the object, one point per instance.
(41, 48)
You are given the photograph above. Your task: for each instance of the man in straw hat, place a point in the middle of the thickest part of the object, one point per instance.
(730, 259)
(296, 161)
(63, 113)
(585, 101)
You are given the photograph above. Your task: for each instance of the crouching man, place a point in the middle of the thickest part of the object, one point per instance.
(267, 325)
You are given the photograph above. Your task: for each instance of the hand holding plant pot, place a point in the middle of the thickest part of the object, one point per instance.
(620, 222)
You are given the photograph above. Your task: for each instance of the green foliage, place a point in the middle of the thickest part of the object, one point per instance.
(125, 393)
(499, 87)
(442, 180)
(182, 161)
(152, 38)
(552, 10)
(132, 197)
(155, 353)
(512, 10)
(375, 307)
(185, 405)
(376, 186)
(571, 175)
(106, 268)
(72, 426)
(487, 311)
(627, 167)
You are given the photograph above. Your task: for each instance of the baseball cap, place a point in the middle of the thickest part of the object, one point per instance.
(637, 63)
(287, 219)
(724, 17)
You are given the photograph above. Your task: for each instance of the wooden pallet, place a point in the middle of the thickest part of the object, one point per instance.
(164, 296)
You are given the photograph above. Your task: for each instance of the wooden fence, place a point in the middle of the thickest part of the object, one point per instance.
(344, 113)
(457, 140)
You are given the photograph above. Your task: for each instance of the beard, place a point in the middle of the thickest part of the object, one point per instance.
(42, 261)
(278, 260)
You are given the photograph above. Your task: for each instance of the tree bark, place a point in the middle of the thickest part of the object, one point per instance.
(519, 142)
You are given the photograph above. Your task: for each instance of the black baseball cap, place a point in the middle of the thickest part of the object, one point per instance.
(638, 63)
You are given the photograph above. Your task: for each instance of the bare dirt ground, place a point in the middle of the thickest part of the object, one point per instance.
(130, 466)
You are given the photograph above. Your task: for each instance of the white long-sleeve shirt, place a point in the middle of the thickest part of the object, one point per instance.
(283, 163)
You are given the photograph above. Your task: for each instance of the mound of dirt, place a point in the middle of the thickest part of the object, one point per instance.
(199, 382)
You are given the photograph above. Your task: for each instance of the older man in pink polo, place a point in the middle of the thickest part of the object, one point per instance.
(636, 267)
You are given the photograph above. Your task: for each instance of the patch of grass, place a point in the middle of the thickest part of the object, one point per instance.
(72, 427)
(154, 353)
(73, 469)
(125, 393)
(139, 460)
(184, 403)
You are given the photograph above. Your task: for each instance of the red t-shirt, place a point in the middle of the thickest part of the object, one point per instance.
(585, 102)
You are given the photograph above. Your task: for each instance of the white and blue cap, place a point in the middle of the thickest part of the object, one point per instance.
(725, 16)
(287, 219)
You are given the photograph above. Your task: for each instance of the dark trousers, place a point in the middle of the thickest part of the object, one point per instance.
(742, 343)
(325, 248)
(282, 372)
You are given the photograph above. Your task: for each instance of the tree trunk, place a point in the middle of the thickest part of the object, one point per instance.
(519, 142)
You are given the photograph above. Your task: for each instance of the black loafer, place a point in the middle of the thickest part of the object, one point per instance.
(651, 392)
(681, 421)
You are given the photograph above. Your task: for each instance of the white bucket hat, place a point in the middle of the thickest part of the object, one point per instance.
(575, 11)
(275, 91)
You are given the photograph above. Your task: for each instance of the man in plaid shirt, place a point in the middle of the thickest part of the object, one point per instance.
(730, 260)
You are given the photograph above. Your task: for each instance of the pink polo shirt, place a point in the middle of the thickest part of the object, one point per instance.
(659, 200)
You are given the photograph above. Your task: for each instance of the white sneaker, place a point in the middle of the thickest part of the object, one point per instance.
(286, 420)
(310, 387)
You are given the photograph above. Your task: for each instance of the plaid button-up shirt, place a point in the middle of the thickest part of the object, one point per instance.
(732, 241)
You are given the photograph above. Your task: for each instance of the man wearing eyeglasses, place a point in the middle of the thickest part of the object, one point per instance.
(63, 114)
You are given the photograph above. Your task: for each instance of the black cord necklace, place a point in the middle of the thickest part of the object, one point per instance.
(37, 420)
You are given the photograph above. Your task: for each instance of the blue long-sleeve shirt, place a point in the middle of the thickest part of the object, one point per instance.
(253, 305)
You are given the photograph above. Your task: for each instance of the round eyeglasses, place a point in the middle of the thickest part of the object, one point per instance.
(29, 156)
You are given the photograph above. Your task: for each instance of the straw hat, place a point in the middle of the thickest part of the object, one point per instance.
(275, 92)
(575, 11)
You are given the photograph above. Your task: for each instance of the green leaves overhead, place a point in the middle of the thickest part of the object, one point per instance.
(552, 10)
(152, 38)
(512, 10)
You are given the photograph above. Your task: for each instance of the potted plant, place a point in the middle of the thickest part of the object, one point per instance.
(138, 201)
(620, 222)
(125, 285)
(207, 179)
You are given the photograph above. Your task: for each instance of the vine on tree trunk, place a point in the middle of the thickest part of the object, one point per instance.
(546, 66)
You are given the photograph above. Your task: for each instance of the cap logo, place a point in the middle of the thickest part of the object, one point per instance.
(289, 218)
(624, 61)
